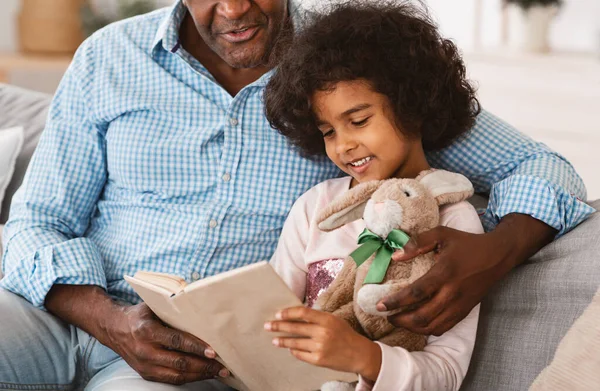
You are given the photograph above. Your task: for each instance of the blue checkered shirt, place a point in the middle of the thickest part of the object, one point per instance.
(147, 163)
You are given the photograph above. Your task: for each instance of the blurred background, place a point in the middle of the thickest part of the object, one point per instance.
(536, 62)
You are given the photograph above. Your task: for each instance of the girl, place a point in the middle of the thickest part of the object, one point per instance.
(372, 87)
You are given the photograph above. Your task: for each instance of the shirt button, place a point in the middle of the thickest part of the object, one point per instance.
(213, 223)
(226, 177)
(233, 121)
(195, 276)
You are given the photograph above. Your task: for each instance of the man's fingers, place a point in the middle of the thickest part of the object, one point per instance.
(417, 292)
(421, 319)
(182, 342)
(186, 362)
(447, 319)
(435, 316)
(419, 244)
(173, 376)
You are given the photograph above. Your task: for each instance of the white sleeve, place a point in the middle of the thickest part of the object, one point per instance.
(443, 364)
(288, 259)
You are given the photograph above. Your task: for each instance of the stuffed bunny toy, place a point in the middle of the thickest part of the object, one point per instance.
(393, 210)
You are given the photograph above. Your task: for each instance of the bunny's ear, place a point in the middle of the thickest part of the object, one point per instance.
(347, 207)
(447, 187)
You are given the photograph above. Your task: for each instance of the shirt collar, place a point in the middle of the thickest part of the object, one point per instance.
(167, 34)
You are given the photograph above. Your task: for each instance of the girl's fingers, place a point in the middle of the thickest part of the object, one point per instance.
(296, 328)
(304, 356)
(303, 313)
(301, 344)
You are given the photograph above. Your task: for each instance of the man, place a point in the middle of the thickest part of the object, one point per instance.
(157, 156)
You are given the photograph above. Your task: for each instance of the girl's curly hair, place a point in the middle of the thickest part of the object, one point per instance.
(396, 48)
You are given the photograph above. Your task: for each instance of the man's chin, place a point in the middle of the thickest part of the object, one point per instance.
(244, 59)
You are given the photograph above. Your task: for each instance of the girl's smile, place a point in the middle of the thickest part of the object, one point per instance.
(359, 166)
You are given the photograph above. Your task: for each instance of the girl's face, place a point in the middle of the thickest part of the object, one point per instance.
(361, 136)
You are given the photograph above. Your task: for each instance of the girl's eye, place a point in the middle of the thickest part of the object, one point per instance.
(328, 134)
(406, 193)
(361, 122)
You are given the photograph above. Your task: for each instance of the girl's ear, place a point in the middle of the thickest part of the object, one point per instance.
(445, 186)
(347, 207)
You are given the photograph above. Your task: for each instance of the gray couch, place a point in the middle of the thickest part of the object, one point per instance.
(522, 320)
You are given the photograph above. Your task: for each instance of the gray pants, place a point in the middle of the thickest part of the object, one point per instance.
(40, 352)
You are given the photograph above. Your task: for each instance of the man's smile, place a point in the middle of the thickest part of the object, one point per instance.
(240, 35)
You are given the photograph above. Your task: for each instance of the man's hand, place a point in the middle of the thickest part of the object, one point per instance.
(156, 352)
(159, 353)
(467, 266)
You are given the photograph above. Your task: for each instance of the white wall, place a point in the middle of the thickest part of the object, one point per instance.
(457, 20)
(576, 27)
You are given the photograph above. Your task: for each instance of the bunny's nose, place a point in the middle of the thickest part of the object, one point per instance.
(378, 207)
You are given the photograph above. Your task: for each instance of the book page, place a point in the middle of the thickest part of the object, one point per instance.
(167, 307)
(229, 311)
(171, 282)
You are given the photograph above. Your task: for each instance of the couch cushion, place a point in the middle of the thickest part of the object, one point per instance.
(1, 251)
(11, 142)
(576, 362)
(524, 318)
(19, 107)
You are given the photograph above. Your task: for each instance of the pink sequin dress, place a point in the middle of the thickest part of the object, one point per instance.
(320, 275)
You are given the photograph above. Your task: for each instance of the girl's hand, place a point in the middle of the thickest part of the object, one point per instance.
(326, 341)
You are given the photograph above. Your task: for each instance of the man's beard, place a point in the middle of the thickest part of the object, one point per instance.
(281, 43)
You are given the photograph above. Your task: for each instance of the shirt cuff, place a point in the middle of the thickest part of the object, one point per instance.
(538, 198)
(75, 262)
(384, 381)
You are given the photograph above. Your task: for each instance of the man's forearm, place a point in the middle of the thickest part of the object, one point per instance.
(521, 236)
(85, 306)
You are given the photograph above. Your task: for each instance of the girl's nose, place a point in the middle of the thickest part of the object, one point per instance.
(344, 144)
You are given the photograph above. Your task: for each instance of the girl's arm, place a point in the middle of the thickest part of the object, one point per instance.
(441, 366)
(325, 340)
(288, 259)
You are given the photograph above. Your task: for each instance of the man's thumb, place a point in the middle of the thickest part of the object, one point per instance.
(417, 245)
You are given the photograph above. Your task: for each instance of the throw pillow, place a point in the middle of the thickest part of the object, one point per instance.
(11, 142)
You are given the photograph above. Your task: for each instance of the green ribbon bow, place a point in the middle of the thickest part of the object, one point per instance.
(385, 248)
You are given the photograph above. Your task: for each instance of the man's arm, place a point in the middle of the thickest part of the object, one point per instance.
(52, 210)
(535, 194)
(519, 174)
(50, 263)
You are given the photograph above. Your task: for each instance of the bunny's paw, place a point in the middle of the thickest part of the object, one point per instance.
(370, 294)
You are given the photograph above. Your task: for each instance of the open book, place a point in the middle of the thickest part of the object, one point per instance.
(228, 311)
